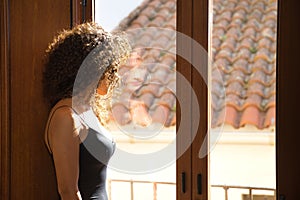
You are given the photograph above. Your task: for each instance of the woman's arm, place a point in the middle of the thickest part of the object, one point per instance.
(64, 142)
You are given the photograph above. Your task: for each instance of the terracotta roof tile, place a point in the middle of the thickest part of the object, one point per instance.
(243, 65)
(147, 99)
(249, 32)
(168, 60)
(218, 89)
(157, 22)
(236, 88)
(160, 115)
(243, 5)
(235, 101)
(124, 98)
(167, 99)
(229, 43)
(139, 113)
(263, 65)
(245, 43)
(228, 115)
(270, 117)
(239, 14)
(152, 88)
(255, 88)
(264, 43)
(237, 76)
(217, 104)
(270, 101)
(264, 54)
(120, 114)
(251, 115)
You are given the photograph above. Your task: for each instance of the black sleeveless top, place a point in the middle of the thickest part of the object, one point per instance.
(95, 152)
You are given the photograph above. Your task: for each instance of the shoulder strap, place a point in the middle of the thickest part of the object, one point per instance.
(49, 121)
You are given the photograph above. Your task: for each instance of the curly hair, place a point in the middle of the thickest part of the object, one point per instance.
(69, 50)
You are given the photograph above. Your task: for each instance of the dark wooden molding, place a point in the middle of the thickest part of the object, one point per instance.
(287, 100)
(184, 68)
(75, 10)
(199, 83)
(5, 102)
(82, 11)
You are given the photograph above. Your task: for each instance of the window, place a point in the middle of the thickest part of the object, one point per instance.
(144, 105)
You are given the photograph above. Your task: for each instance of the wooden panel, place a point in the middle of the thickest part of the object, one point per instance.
(199, 79)
(184, 25)
(288, 109)
(33, 24)
(4, 103)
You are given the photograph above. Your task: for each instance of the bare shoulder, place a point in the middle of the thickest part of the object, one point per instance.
(64, 121)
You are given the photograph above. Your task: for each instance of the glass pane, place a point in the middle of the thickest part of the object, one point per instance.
(143, 110)
(243, 88)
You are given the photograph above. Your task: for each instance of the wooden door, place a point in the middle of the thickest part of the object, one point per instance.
(27, 27)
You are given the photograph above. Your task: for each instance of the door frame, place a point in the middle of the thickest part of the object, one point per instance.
(287, 109)
(200, 166)
(4, 102)
(184, 162)
(81, 11)
(287, 139)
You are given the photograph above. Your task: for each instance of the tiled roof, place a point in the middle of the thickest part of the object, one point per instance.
(243, 48)
(148, 93)
(244, 53)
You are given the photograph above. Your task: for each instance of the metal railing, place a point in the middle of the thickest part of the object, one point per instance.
(132, 182)
(155, 184)
(227, 187)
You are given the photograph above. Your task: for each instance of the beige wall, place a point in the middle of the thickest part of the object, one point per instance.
(243, 159)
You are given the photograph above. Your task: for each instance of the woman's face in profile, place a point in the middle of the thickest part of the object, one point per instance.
(106, 81)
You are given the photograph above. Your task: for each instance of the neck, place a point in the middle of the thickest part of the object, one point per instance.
(78, 104)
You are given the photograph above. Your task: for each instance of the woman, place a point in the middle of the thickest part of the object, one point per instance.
(79, 77)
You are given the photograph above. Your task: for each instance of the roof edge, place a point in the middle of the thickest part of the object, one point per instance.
(132, 16)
